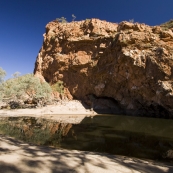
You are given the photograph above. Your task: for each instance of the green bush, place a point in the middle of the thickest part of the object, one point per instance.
(167, 25)
(27, 86)
(2, 74)
(73, 17)
(59, 87)
(62, 20)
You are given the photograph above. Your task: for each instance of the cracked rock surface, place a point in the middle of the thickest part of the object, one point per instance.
(129, 64)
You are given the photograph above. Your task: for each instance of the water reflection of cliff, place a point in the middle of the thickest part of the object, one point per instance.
(132, 136)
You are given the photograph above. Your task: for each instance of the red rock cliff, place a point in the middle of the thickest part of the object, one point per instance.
(129, 63)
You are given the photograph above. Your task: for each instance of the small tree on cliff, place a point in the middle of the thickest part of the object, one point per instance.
(73, 17)
(62, 20)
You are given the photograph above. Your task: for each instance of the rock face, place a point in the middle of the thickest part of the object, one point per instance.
(125, 67)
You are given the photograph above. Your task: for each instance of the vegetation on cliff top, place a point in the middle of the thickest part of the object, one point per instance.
(167, 25)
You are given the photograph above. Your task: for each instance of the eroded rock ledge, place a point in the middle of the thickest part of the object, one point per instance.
(127, 65)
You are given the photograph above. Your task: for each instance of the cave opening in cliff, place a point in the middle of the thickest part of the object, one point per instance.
(104, 104)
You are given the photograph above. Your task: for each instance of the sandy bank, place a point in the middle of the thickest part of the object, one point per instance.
(19, 157)
(66, 112)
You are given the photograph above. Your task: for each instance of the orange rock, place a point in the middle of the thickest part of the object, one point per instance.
(129, 62)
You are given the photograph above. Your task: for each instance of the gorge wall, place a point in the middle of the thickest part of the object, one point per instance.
(125, 67)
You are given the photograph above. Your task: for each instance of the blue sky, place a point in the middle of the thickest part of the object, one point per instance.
(22, 23)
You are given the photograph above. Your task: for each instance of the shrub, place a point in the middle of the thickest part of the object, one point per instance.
(73, 17)
(131, 20)
(59, 87)
(27, 86)
(16, 74)
(2, 74)
(62, 20)
(167, 25)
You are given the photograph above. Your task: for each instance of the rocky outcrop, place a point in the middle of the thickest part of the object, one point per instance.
(129, 64)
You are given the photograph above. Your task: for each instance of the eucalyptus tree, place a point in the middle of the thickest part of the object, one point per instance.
(2, 75)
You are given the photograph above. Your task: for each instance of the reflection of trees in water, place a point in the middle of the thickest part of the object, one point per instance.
(41, 131)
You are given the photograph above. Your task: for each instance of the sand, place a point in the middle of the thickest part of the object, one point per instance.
(65, 112)
(20, 157)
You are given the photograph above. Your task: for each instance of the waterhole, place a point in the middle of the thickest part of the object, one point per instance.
(140, 137)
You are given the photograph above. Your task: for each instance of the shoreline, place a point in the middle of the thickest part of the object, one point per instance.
(66, 112)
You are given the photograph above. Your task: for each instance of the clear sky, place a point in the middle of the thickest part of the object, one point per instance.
(22, 23)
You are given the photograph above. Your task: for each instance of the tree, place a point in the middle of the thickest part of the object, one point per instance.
(2, 75)
(131, 20)
(16, 74)
(73, 17)
(62, 20)
(24, 87)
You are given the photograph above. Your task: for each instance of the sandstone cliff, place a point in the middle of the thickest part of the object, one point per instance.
(125, 67)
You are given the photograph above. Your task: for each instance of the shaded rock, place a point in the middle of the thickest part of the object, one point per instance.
(15, 104)
(168, 154)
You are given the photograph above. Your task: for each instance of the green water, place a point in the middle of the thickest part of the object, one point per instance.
(140, 137)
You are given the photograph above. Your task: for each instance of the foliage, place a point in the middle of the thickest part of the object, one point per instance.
(167, 25)
(16, 74)
(87, 20)
(25, 86)
(62, 20)
(73, 17)
(59, 87)
(2, 74)
(131, 20)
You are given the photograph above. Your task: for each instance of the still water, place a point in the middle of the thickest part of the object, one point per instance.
(140, 137)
